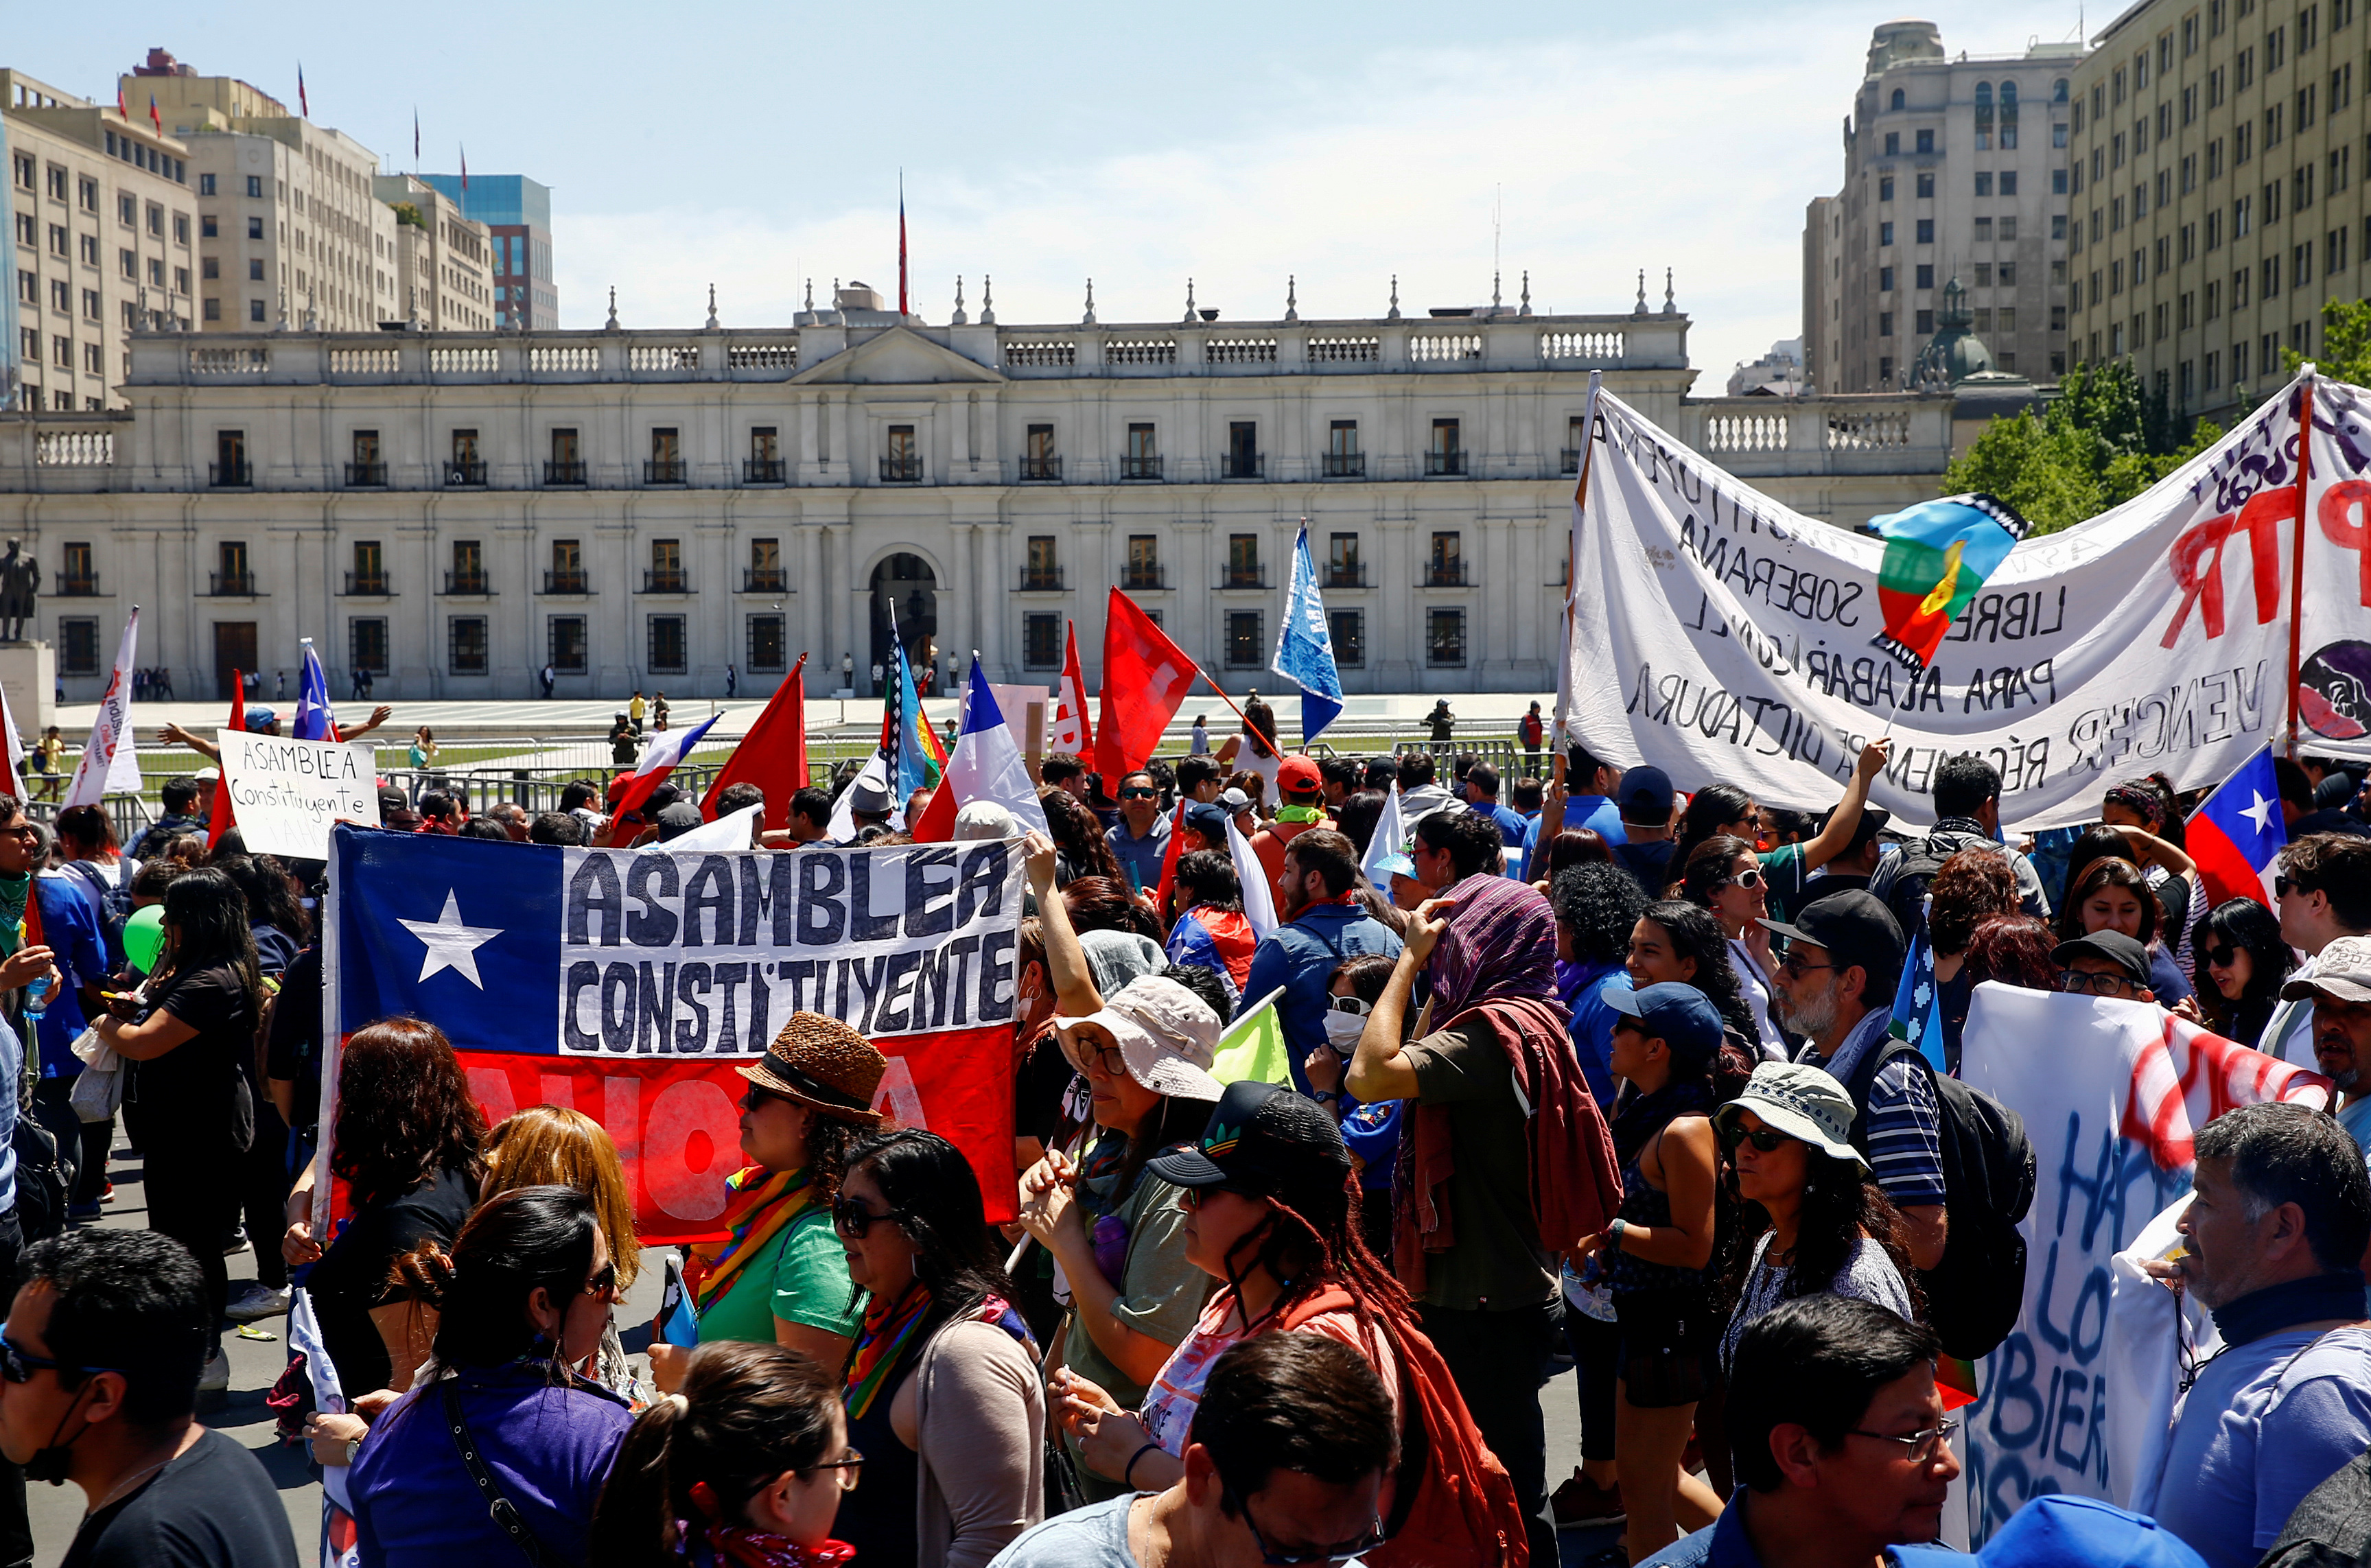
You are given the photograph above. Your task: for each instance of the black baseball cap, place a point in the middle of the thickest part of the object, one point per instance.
(1855, 927)
(2118, 948)
(1644, 785)
(677, 819)
(1263, 1139)
(1210, 819)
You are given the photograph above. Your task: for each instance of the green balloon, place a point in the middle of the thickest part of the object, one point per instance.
(144, 937)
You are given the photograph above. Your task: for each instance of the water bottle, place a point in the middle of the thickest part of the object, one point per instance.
(36, 996)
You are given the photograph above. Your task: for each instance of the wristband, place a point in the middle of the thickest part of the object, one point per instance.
(1324, 1095)
(1614, 1234)
(1129, 1469)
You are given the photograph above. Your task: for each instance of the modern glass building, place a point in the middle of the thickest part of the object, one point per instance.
(517, 211)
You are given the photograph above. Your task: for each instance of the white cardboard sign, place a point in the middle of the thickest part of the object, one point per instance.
(286, 792)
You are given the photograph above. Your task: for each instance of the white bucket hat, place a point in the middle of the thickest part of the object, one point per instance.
(1801, 1101)
(1164, 1034)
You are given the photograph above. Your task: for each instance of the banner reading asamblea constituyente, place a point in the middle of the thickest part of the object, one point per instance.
(632, 983)
(1725, 637)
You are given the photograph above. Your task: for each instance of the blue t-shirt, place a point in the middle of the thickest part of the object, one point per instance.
(1592, 1028)
(1594, 812)
(1512, 826)
(2356, 1117)
(1092, 1537)
(70, 928)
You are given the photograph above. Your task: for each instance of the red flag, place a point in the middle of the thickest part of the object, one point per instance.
(1169, 863)
(122, 113)
(154, 118)
(1146, 677)
(221, 818)
(773, 754)
(304, 104)
(1070, 732)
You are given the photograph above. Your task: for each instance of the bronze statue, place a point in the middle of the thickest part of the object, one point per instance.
(20, 580)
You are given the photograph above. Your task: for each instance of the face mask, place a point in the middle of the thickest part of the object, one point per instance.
(1342, 1031)
(50, 1460)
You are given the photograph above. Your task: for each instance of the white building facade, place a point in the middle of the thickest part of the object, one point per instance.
(454, 511)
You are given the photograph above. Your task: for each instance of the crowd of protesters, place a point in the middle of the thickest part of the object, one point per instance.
(1582, 1070)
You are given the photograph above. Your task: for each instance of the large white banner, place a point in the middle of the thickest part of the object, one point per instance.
(1727, 638)
(2112, 1094)
(285, 793)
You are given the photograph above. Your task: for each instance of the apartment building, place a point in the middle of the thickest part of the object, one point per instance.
(1954, 166)
(102, 209)
(444, 277)
(2219, 202)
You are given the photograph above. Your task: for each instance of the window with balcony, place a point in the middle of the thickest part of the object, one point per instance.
(230, 469)
(566, 646)
(566, 464)
(77, 645)
(1343, 459)
(1246, 648)
(1444, 639)
(1446, 567)
(366, 644)
(669, 644)
(567, 573)
(466, 645)
(1242, 450)
(665, 466)
(366, 465)
(1041, 572)
(1342, 567)
(1445, 455)
(1143, 460)
(468, 573)
(369, 573)
(1038, 459)
(232, 576)
(1143, 569)
(765, 574)
(465, 466)
(1348, 630)
(666, 573)
(901, 457)
(1041, 641)
(764, 645)
(1243, 562)
(76, 578)
(764, 465)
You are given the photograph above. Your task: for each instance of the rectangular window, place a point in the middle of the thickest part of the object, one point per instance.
(1143, 461)
(1926, 323)
(566, 645)
(1925, 275)
(1884, 235)
(1885, 280)
(2058, 188)
(1041, 641)
(1246, 647)
(2008, 182)
(1925, 141)
(1446, 568)
(1446, 456)
(666, 573)
(669, 644)
(78, 646)
(1143, 569)
(764, 645)
(1885, 324)
(1926, 186)
(366, 644)
(1444, 639)
(255, 228)
(1040, 571)
(1343, 459)
(1348, 630)
(1885, 189)
(1242, 561)
(1892, 142)
(566, 464)
(1342, 567)
(1925, 231)
(465, 644)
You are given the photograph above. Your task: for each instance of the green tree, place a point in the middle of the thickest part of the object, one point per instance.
(2345, 343)
(2104, 440)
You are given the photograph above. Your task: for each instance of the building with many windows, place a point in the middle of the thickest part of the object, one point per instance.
(1954, 166)
(517, 211)
(443, 262)
(453, 511)
(101, 209)
(2218, 196)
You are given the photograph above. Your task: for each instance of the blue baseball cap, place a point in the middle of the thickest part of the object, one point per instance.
(1681, 1016)
(1396, 865)
(2078, 1532)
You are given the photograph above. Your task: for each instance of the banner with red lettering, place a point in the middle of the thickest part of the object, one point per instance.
(1731, 637)
(630, 984)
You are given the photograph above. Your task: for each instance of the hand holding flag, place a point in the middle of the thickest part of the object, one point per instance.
(1937, 555)
(2237, 831)
(986, 766)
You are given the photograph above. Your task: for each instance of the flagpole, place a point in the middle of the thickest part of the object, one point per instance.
(1571, 579)
(2297, 551)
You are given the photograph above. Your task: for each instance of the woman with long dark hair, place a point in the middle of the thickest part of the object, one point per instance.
(2110, 894)
(2146, 813)
(1212, 931)
(189, 1038)
(1723, 877)
(746, 1470)
(1677, 941)
(1081, 850)
(521, 1298)
(942, 1390)
(1969, 889)
(1817, 1221)
(2241, 961)
(274, 919)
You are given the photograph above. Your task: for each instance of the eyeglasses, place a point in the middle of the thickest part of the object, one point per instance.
(1925, 1446)
(758, 1098)
(851, 1469)
(1355, 1006)
(2221, 957)
(605, 1283)
(25, 830)
(1797, 965)
(1139, 794)
(1192, 1197)
(1338, 1552)
(1107, 1059)
(1750, 879)
(852, 1219)
(2104, 985)
(1767, 1140)
(17, 1365)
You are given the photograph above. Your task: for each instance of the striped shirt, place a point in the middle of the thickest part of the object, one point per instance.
(1905, 1143)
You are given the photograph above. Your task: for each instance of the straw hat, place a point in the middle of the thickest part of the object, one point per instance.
(824, 1064)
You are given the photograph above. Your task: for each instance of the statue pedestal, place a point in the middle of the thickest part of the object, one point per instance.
(29, 674)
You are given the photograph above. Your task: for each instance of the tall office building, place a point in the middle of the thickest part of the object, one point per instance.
(517, 211)
(443, 280)
(1954, 166)
(2219, 202)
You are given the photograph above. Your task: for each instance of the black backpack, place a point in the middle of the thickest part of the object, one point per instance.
(1974, 1295)
(1907, 872)
(44, 1180)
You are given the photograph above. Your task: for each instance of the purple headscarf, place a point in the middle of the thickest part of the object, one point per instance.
(1500, 943)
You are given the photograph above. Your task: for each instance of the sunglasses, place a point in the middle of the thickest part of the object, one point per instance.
(758, 1098)
(2284, 885)
(852, 1219)
(1340, 1551)
(1192, 1197)
(17, 1365)
(1355, 1006)
(2104, 985)
(605, 1283)
(1797, 965)
(1751, 879)
(2221, 957)
(1767, 1140)
(1140, 793)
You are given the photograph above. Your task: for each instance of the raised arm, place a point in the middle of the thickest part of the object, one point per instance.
(1066, 962)
(1381, 1069)
(1845, 821)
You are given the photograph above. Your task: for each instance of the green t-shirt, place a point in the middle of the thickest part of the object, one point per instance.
(1784, 870)
(1495, 1263)
(800, 1276)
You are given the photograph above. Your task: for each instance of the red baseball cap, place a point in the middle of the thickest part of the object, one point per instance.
(1299, 776)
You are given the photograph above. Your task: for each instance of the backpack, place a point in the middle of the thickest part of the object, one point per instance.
(43, 1179)
(1907, 872)
(1974, 1295)
(113, 902)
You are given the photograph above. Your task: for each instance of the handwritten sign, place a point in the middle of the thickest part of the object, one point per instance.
(286, 792)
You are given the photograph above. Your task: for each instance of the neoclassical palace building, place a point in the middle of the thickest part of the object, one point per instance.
(453, 511)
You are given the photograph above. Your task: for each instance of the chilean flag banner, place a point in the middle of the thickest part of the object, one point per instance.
(659, 759)
(631, 985)
(985, 766)
(2237, 830)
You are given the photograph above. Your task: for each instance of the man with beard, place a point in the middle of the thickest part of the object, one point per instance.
(1324, 923)
(1844, 959)
(2279, 1213)
(2339, 989)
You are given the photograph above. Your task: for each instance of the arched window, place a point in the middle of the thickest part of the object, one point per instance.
(2058, 90)
(1983, 117)
(2007, 115)
(1897, 98)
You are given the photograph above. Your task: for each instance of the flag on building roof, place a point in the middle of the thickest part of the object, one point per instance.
(154, 118)
(2236, 832)
(773, 754)
(985, 766)
(314, 720)
(667, 749)
(1070, 732)
(122, 113)
(902, 307)
(1146, 677)
(1937, 555)
(303, 105)
(1304, 644)
(415, 138)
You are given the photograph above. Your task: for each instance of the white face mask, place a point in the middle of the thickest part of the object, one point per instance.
(1342, 1031)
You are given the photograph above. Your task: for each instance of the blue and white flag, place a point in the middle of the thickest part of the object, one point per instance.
(1304, 645)
(314, 720)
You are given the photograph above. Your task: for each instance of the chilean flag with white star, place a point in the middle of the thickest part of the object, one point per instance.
(2236, 832)
(631, 984)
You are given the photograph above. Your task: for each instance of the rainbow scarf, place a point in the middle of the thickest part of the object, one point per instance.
(889, 1327)
(758, 1207)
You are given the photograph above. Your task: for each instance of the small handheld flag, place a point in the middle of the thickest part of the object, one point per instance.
(314, 721)
(2237, 830)
(1071, 731)
(986, 766)
(1389, 839)
(1917, 1011)
(659, 759)
(1304, 644)
(1253, 1047)
(223, 816)
(1937, 555)
(1259, 894)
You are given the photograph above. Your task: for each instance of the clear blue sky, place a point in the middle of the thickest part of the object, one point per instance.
(753, 145)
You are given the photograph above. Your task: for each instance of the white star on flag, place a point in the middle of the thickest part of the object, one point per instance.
(2259, 811)
(449, 943)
